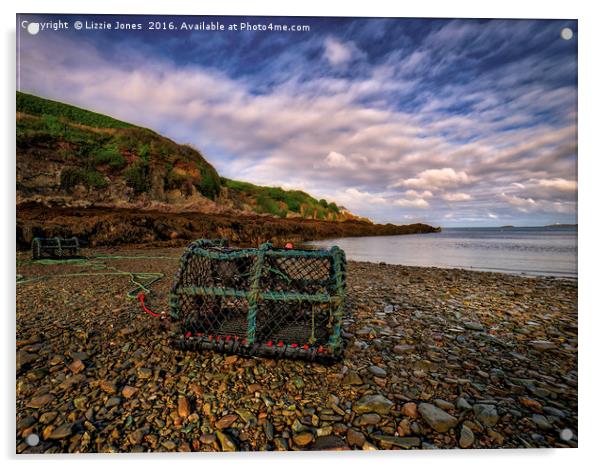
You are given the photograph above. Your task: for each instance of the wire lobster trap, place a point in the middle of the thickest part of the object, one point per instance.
(265, 301)
(54, 247)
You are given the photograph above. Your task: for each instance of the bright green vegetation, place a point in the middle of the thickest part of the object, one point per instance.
(35, 105)
(278, 202)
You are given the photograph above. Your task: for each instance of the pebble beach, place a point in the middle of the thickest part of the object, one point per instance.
(434, 358)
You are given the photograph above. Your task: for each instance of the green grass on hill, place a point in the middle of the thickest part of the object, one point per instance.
(35, 105)
(278, 202)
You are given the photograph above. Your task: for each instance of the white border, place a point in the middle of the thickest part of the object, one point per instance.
(590, 198)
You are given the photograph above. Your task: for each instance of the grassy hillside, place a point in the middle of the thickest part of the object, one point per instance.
(79, 148)
(35, 105)
(97, 149)
(280, 202)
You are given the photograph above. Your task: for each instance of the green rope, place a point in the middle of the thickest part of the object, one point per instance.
(339, 259)
(282, 296)
(254, 294)
(141, 280)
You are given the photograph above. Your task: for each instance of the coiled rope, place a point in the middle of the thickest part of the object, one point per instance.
(141, 280)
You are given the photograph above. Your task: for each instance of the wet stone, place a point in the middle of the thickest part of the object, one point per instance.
(303, 438)
(475, 326)
(226, 442)
(542, 422)
(247, 416)
(444, 405)
(113, 401)
(542, 345)
(402, 442)
(435, 417)
(226, 421)
(77, 366)
(61, 432)
(329, 442)
(280, 444)
(410, 410)
(466, 437)
(47, 418)
(268, 429)
(183, 407)
(368, 419)
(40, 401)
(377, 371)
(462, 404)
(108, 387)
(355, 438)
(208, 439)
(486, 414)
(128, 391)
(373, 404)
(145, 373)
(26, 422)
(352, 378)
(169, 445)
(403, 349)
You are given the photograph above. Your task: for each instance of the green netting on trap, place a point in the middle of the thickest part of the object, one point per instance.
(280, 302)
(54, 247)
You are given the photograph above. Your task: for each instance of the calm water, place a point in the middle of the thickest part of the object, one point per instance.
(533, 251)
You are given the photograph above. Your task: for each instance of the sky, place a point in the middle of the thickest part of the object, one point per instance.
(451, 122)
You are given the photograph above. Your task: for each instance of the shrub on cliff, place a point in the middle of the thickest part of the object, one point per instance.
(71, 177)
(209, 184)
(109, 156)
(137, 176)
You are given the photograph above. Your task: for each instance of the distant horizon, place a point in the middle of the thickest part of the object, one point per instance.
(456, 123)
(513, 226)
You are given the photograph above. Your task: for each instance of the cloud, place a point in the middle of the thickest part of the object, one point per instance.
(335, 159)
(337, 52)
(414, 203)
(353, 195)
(436, 178)
(457, 196)
(518, 201)
(414, 193)
(562, 185)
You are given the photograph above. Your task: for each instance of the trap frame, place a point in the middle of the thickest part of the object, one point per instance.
(265, 301)
(54, 247)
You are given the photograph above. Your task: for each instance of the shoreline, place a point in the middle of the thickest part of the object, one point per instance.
(465, 358)
(478, 270)
(101, 227)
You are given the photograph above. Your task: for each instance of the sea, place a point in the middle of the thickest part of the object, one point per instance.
(534, 251)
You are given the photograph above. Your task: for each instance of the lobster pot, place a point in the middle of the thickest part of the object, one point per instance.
(54, 247)
(266, 301)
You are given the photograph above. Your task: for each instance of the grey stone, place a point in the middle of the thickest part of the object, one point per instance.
(435, 417)
(462, 404)
(377, 371)
(466, 437)
(486, 414)
(542, 422)
(373, 404)
(403, 442)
